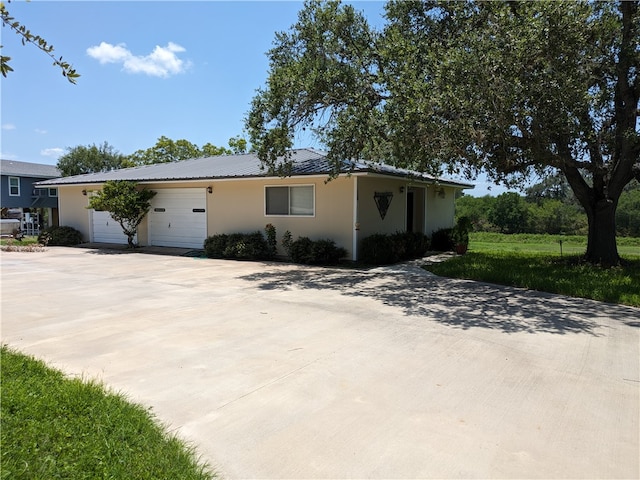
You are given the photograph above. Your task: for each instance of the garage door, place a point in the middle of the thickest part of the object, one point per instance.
(105, 229)
(178, 218)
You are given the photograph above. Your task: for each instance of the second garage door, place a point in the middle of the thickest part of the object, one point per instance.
(178, 218)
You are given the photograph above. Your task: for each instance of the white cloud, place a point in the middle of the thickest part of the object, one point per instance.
(40, 131)
(52, 152)
(162, 62)
(8, 126)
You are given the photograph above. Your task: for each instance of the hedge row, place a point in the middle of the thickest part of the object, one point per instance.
(383, 249)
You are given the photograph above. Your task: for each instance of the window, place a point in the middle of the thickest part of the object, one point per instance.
(14, 186)
(295, 200)
(53, 192)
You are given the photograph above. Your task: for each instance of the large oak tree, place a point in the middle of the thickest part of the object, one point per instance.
(510, 88)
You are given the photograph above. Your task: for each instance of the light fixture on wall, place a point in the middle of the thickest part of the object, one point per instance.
(402, 189)
(210, 189)
(440, 192)
(84, 192)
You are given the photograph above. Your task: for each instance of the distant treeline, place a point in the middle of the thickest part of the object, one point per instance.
(548, 207)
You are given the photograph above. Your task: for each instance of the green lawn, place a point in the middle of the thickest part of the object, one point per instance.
(31, 240)
(534, 262)
(58, 427)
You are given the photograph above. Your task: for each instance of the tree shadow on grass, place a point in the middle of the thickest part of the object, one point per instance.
(457, 303)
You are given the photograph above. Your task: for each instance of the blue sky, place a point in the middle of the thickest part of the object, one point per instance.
(179, 69)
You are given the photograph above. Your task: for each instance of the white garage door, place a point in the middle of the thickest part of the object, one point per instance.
(178, 218)
(105, 229)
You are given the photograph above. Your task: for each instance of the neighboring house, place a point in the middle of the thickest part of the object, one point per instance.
(36, 207)
(233, 193)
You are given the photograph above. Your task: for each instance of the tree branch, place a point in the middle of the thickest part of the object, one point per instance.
(27, 37)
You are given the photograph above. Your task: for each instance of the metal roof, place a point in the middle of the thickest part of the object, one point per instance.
(305, 161)
(28, 169)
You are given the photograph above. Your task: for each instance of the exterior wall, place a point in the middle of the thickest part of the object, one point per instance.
(239, 206)
(73, 211)
(440, 211)
(369, 219)
(26, 198)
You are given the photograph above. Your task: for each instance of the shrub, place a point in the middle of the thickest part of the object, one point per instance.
(215, 245)
(325, 252)
(381, 249)
(244, 246)
(378, 249)
(319, 252)
(411, 244)
(60, 236)
(441, 240)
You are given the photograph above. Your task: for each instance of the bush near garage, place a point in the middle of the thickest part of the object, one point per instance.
(241, 246)
(60, 236)
(383, 249)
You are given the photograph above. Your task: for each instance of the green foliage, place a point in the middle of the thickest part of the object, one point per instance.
(58, 427)
(238, 144)
(510, 88)
(92, 158)
(442, 240)
(628, 213)
(241, 246)
(60, 236)
(509, 213)
(272, 240)
(167, 150)
(377, 249)
(565, 276)
(318, 252)
(27, 37)
(460, 232)
(382, 249)
(126, 202)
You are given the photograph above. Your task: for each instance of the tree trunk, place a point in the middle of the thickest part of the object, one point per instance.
(601, 243)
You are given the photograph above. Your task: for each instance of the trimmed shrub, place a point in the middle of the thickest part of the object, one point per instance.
(319, 252)
(242, 246)
(325, 252)
(442, 240)
(60, 236)
(215, 245)
(381, 249)
(414, 244)
(378, 249)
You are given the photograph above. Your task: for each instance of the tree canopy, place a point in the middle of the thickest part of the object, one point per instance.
(167, 150)
(90, 159)
(126, 202)
(509, 88)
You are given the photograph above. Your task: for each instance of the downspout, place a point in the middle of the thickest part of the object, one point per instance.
(356, 225)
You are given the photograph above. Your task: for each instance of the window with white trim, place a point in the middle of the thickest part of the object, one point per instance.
(53, 192)
(294, 200)
(14, 186)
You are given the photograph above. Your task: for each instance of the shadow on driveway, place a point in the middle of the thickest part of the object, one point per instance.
(458, 303)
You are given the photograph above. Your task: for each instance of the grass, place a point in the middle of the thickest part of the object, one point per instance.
(531, 263)
(58, 427)
(571, 244)
(30, 240)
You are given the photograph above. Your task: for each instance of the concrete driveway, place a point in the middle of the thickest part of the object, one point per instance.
(280, 371)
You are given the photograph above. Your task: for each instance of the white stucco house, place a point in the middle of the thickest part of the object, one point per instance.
(234, 194)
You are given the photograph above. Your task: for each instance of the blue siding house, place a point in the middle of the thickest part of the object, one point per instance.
(36, 208)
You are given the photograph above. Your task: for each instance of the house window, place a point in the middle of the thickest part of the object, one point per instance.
(295, 200)
(14, 186)
(53, 192)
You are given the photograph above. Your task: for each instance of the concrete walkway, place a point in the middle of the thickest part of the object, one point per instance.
(280, 371)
